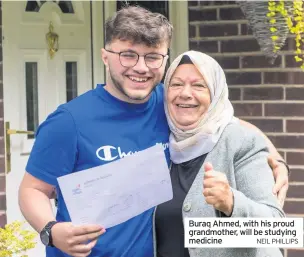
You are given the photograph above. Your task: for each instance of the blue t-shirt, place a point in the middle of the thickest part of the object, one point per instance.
(94, 129)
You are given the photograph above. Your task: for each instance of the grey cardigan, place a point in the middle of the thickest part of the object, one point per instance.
(242, 155)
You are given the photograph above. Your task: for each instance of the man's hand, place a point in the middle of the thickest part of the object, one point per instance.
(280, 174)
(76, 241)
(217, 190)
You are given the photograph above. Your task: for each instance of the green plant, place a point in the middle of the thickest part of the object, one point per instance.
(15, 241)
(295, 22)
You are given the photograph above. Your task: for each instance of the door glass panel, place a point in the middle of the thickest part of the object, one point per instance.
(31, 84)
(34, 6)
(71, 80)
(66, 6)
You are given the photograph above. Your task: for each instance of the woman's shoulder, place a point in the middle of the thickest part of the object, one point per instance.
(235, 129)
(237, 136)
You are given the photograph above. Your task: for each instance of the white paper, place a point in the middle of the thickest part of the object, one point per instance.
(115, 192)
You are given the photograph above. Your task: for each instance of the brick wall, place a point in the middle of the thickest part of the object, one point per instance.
(269, 96)
(2, 159)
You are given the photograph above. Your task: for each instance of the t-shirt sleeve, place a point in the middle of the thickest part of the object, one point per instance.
(55, 149)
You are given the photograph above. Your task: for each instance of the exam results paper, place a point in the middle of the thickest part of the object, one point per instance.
(113, 193)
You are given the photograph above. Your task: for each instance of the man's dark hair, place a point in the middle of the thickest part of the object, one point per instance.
(139, 26)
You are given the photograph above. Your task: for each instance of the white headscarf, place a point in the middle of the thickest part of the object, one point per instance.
(187, 145)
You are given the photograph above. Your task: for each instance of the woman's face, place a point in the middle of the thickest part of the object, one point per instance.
(188, 97)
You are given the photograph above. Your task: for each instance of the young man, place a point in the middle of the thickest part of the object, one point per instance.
(105, 124)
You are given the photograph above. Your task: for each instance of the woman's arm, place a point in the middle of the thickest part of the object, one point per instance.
(279, 167)
(253, 196)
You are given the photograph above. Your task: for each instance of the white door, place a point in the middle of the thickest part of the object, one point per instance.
(34, 83)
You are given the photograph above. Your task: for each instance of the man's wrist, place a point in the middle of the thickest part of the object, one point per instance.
(46, 234)
(286, 165)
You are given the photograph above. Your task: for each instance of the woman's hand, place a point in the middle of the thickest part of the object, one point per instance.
(217, 190)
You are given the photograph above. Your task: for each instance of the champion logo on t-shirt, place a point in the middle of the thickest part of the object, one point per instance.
(109, 153)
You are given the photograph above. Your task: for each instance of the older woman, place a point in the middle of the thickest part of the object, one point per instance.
(219, 168)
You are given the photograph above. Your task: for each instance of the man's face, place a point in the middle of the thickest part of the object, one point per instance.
(132, 84)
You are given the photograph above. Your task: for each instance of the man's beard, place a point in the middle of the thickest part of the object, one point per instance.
(120, 88)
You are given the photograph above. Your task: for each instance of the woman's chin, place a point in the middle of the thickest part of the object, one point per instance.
(185, 126)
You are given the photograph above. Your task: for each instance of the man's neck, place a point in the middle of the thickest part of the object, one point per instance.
(119, 95)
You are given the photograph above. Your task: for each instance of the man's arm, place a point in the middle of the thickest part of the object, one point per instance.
(35, 205)
(279, 169)
(54, 155)
(34, 201)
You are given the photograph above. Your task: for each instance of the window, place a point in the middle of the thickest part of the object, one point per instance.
(34, 6)
(71, 80)
(31, 84)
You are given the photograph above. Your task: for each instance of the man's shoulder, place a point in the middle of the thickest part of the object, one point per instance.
(76, 109)
(88, 98)
(83, 105)
(160, 89)
(160, 86)
(82, 101)
(159, 93)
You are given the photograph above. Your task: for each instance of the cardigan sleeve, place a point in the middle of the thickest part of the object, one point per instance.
(253, 195)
